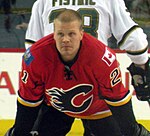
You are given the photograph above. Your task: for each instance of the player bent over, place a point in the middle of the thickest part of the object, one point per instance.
(75, 75)
(101, 19)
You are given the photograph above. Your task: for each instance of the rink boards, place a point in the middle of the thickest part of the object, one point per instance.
(10, 67)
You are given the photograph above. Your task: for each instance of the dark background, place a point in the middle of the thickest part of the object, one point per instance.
(15, 14)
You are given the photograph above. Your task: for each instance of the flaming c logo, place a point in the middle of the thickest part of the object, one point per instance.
(74, 100)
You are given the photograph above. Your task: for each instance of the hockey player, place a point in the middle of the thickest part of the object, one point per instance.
(101, 19)
(59, 71)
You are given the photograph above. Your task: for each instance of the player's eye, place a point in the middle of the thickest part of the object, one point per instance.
(72, 34)
(60, 34)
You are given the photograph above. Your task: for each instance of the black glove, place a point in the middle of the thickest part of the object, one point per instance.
(141, 80)
(141, 131)
(10, 132)
(34, 133)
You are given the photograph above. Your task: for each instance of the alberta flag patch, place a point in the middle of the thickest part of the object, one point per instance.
(27, 57)
(108, 57)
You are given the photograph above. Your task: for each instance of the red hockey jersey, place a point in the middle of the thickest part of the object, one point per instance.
(81, 88)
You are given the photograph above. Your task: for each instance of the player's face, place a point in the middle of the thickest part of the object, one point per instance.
(67, 37)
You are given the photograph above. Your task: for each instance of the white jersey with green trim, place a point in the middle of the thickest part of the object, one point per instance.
(101, 18)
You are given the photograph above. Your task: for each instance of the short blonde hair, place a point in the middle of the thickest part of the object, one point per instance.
(68, 15)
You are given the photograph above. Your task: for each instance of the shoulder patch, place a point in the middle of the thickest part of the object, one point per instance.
(27, 57)
(108, 57)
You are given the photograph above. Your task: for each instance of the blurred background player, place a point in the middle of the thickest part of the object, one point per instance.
(102, 19)
(6, 5)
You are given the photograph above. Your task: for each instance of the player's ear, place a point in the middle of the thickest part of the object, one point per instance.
(81, 32)
(54, 35)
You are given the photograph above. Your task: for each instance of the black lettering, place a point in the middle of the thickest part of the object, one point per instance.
(80, 2)
(60, 2)
(86, 2)
(74, 2)
(91, 2)
(54, 1)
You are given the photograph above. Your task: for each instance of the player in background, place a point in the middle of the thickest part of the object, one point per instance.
(101, 19)
(56, 70)
(6, 6)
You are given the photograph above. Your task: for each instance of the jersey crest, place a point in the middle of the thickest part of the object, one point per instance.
(74, 100)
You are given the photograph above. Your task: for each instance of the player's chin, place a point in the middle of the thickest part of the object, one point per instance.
(67, 48)
(67, 52)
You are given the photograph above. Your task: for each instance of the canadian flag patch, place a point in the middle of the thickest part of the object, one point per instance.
(108, 57)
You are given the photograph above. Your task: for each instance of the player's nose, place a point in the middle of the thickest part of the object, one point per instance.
(65, 38)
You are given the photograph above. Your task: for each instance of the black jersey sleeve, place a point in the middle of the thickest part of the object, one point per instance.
(125, 117)
(25, 118)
